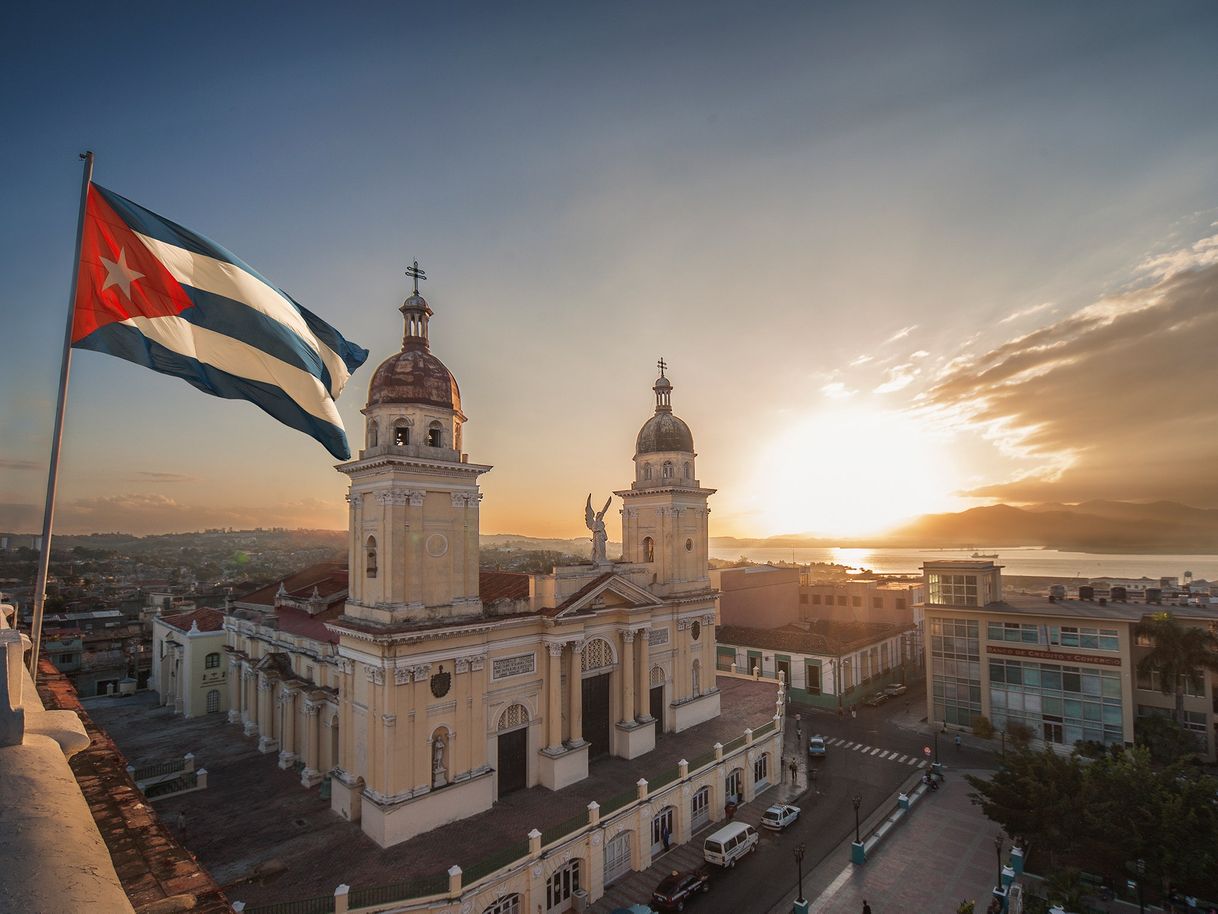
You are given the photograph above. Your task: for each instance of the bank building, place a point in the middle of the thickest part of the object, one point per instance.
(427, 688)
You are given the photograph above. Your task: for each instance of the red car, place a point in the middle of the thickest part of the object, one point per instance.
(675, 890)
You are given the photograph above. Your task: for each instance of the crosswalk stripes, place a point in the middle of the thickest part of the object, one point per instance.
(890, 755)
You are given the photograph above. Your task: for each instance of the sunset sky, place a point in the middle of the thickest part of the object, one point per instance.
(901, 258)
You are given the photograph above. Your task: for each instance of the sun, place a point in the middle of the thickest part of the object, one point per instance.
(852, 471)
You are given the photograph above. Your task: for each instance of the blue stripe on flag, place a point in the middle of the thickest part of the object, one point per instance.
(254, 329)
(127, 342)
(353, 356)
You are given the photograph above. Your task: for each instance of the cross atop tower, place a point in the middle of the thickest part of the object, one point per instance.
(661, 364)
(416, 274)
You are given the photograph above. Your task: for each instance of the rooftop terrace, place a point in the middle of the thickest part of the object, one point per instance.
(265, 838)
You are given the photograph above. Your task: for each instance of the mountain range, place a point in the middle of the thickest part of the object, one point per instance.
(1090, 526)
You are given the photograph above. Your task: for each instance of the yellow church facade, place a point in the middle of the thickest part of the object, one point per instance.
(444, 687)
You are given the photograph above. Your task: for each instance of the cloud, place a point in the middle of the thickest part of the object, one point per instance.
(836, 390)
(1203, 253)
(153, 476)
(1113, 401)
(898, 378)
(861, 360)
(9, 463)
(920, 354)
(1026, 312)
(901, 334)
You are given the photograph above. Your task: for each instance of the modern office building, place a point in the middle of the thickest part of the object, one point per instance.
(1065, 668)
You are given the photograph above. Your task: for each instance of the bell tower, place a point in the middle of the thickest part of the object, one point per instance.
(664, 513)
(413, 523)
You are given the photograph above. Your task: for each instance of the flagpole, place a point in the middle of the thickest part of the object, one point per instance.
(61, 403)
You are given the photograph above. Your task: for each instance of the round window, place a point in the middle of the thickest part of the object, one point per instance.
(695, 630)
(689, 545)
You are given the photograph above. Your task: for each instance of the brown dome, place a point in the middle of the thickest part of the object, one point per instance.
(414, 375)
(664, 432)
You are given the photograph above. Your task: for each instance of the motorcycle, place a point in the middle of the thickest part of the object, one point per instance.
(930, 781)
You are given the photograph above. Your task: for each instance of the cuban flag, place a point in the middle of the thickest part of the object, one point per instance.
(157, 294)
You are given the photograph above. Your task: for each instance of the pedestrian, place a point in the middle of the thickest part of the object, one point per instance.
(794, 771)
(181, 824)
(957, 742)
(866, 907)
(839, 712)
(665, 835)
(854, 714)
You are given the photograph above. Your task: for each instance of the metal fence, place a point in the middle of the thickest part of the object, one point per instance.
(323, 904)
(419, 887)
(158, 769)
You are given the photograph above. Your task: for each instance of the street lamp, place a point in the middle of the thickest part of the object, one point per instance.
(857, 800)
(998, 849)
(800, 848)
(1141, 866)
(936, 747)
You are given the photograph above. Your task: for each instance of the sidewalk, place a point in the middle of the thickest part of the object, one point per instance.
(943, 853)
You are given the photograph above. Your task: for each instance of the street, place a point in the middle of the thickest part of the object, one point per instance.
(872, 755)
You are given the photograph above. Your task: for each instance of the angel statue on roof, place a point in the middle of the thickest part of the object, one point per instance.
(596, 523)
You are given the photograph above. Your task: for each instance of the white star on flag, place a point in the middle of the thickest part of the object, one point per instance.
(119, 274)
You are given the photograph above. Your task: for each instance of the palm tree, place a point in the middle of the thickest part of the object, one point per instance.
(1177, 653)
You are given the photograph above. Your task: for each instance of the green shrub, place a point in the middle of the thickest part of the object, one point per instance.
(1020, 734)
(982, 727)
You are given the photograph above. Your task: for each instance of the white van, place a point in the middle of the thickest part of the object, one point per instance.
(729, 844)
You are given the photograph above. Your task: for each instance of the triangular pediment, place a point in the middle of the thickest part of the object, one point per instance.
(609, 592)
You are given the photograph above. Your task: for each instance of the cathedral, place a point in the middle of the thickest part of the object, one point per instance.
(446, 687)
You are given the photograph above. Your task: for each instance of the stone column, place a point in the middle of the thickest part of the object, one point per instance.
(266, 721)
(575, 685)
(249, 708)
(287, 730)
(642, 690)
(234, 690)
(312, 748)
(628, 682)
(554, 699)
(414, 549)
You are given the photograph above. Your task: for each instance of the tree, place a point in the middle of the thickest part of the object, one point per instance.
(1165, 739)
(1036, 796)
(1178, 653)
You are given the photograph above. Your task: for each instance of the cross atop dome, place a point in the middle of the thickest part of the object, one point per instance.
(416, 274)
(416, 311)
(661, 364)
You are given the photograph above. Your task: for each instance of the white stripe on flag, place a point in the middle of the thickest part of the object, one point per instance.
(222, 278)
(236, 358)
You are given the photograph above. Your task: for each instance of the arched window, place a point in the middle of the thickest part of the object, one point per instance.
(213, 701)
(596, 655)
(699, 809)
(371, 564)
(508, 904)
(696, 678)
(212, 661)
(401, 433)
(513, 718)
(562, 885)
(687, 471)
(373, 433)
(761, 768)
(667, 469)
(656, 677)
(435, 436)
(731, 785)
(647, 471)
(649, 549)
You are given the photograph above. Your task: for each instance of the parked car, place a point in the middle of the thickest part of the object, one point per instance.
(896, 689)
(676, 889)
(876, 700)
(779, 816)
(816, 746)
(729, 844)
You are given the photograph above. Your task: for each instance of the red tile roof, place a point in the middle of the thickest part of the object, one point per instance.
(502, 585)
(328, 577)
(208, 620)
(298, 622)
(156, 871)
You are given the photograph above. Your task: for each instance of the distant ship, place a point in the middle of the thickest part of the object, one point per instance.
(982, 555)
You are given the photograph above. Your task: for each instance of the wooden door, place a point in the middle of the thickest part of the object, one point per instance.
(596, 715)
(513, 761)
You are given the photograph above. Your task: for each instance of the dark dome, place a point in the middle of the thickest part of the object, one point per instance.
(664, 432)
(414, 375)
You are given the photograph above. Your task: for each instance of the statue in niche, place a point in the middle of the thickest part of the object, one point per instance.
(439, 766)
(596, 523)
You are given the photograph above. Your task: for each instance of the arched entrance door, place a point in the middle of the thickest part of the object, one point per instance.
(513, 749)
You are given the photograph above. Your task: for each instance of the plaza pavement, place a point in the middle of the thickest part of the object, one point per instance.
(941, 854)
